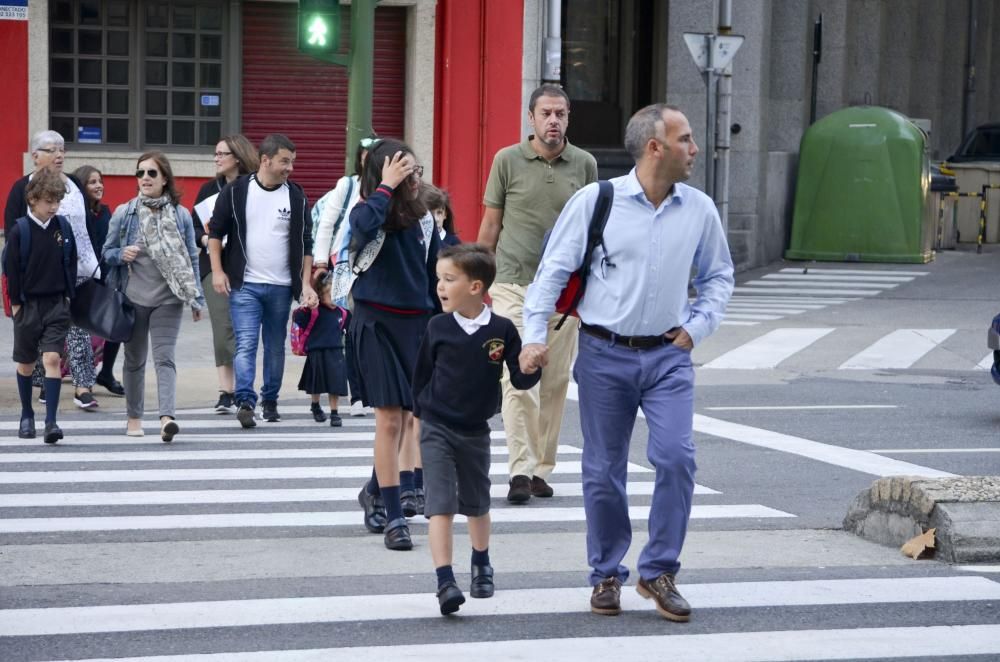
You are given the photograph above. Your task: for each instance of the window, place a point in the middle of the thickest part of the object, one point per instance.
(129, 73)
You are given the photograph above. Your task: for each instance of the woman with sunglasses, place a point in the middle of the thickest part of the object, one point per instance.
(152, 252)
(48, 149)
(234, 156)
(393, 301)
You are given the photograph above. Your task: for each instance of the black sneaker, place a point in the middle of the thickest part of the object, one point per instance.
(335, 420)
(41, 395)
(226, 404)
(85, 400)
(318, 414)
(246, 417)
(269, 411)
(52, 433)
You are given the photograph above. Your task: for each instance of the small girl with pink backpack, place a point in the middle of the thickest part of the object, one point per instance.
(318, 334)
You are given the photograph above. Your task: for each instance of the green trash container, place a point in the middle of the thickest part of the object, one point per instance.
(862, 190)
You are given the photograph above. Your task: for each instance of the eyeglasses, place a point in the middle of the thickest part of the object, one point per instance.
(52, 150)
(219, 155)
(417, 172)
(152, 172)
(368, 143)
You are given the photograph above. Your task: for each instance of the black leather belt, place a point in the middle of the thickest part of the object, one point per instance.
(632, 342)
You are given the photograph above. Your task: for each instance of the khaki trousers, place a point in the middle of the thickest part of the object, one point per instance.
(532, 419)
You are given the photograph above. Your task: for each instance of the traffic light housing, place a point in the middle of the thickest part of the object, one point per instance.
(319, 28)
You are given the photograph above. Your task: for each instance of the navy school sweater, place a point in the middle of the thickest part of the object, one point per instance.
(45, 274)
(456, 381)
(326, 332)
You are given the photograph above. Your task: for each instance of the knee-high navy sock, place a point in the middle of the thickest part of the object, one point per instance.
(373, 488)
(24, 390)
(445, 574)
(406, 481)
(480, 557)
(390, 495)
(51, 398)
(418, 478)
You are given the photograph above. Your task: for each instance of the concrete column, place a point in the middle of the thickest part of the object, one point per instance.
(862, 76)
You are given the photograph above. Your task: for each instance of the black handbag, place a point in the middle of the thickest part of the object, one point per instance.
(102, 310)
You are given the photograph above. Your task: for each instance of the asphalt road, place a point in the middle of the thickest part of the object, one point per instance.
(230, 546)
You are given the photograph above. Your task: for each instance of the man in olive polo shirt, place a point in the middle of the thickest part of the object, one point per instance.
(528, 185)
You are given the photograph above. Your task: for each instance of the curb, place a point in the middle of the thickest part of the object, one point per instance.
(964, 510)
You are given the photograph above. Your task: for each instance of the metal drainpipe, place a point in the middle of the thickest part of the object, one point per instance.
(552, 60)
(724, 113)
(969, 116)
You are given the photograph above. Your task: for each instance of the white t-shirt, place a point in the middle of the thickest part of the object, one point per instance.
(269, 217)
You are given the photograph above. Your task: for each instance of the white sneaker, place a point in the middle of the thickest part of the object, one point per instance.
(358, 409)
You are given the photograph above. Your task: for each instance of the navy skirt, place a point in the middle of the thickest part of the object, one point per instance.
(385, 347)
(325, 371)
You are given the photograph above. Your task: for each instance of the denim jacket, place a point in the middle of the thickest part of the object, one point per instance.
(123, 230)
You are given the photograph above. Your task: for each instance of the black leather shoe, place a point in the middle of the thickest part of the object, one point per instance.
(335, 420)
(421, 500)
(482, 581)
(27, 429)
(318, 414)
(539, 488)
(450, 598)
(669, 602)
(111, 384)
(520, 490)
(374, 510)
(53, 433)
(408, 502)
(606, 598)
(397, 536)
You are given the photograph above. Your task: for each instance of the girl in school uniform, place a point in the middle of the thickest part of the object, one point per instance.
(393, 301)
(325, 370)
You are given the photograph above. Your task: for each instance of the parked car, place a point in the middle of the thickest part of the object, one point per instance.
(981, 144)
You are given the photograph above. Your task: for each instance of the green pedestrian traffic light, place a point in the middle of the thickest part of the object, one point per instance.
(319, 27)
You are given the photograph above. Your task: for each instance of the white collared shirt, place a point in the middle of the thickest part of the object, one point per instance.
(470, 326)
(44, 225)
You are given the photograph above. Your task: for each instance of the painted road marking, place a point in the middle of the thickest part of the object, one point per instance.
(768, 350)
(897, 350)
(800, 407)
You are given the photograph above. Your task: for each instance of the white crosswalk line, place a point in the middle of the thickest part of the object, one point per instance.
(853, 278)
(738, 323)
(339, 518)
(824, 301)
(819, 285)
(897, 350)
(770, 308)
(302, 495)
(768, 350)
(51, 621)
(76, 439)
(856, 272)
(230, 424)
(986, 363)
(254, 473)
(751, 316)
(804, 290)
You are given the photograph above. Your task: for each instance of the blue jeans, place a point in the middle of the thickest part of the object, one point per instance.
(259, 310)
(614, 383)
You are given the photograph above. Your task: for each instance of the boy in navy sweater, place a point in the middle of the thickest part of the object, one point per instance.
(39, 292)
(456, 390)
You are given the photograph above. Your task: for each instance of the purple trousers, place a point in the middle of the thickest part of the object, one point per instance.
(614, 383)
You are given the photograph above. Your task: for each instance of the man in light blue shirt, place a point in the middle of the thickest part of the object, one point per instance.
(637, 331)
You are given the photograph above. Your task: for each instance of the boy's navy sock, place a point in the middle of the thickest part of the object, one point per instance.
(390, 495)
(418, 478)
(480, 558)
(406, 481)
(445, 575)
(373, 485)
(51, 386)
(24, 390)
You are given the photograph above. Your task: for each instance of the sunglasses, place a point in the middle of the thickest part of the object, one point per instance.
(368, 143)
(152, 172)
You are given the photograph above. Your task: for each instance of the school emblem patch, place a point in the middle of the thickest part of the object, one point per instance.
(494, 349)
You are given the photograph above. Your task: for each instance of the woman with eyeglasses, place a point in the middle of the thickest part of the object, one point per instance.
(152, 253)
(393, 301)
(234, 156)
(48, 149)
(329, 214)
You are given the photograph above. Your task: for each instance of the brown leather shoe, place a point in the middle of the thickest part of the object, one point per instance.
(520, 489)
(669, 601)
(606, 599)
(540, 488)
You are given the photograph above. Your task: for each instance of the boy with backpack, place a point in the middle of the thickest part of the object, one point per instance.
(39, 262)
(456, 390)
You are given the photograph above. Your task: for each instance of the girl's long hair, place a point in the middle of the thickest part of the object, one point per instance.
(82, 175)
(404, 211)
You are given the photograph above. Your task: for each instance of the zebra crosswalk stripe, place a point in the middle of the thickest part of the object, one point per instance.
(900, 349)
(768, 350)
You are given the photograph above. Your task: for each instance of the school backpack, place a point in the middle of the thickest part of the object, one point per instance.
(572, 293)
(24, 237)
(299, 336)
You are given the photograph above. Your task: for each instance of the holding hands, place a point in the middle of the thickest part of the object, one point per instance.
(395, 170)
(533, 357)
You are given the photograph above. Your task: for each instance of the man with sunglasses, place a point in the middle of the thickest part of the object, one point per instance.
(267, 261)
(636, 335)
(528, 185)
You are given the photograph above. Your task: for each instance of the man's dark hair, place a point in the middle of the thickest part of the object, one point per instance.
(273, 142)
(642, 127)
(404, 211)
(474, 260)
(547, 90)
(45, 184)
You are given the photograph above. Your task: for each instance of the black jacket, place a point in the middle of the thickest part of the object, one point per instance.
(208, 189)
(229, 218)
(17, 204)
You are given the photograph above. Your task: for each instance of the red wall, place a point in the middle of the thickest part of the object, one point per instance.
(477, 98)
(14, 74)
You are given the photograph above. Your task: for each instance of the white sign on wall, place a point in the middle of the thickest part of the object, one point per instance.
(13, 10)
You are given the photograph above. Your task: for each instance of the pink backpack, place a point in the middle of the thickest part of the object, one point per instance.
(299, 336)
